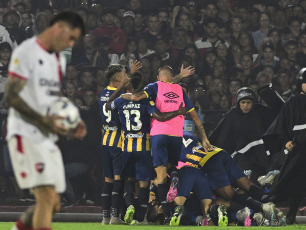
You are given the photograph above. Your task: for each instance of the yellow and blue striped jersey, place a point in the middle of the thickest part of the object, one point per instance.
(192, 152)
(135, 123)
(111, 132)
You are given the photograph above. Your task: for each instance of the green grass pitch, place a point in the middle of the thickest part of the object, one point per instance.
(98, 226)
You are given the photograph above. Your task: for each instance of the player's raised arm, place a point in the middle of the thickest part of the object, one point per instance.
(185, 72)
(124, 84)
(200, 129)
(165, 116)
(45, 123)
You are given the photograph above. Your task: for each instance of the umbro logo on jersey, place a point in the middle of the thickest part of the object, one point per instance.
(39, 167)
(41, 62)
(171, 95)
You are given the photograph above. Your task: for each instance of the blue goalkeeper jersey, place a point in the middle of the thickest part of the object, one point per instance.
(135, 123)
(111, 132)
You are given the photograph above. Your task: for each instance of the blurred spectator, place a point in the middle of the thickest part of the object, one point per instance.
(130, 54)
(236, 26)
(26, 24)
(153, 30)
(259, 35)
(86, 79)
(291, 48)
(246, 62)
(117, 37)
(92, 21)
(179, 42)
(294, 30)
(224, 10)
(263, 79)
(161, 47)
(5, 54)
(42, 21)
(301, 54)
(247, 44)
(143, 50)
(211, 36)
(128, 24)
(100, 80)
(139, 25)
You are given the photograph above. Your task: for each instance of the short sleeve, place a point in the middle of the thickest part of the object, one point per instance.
(188, 104)
(151, 108)
(20, 64)
(151, 90)
(114, 104)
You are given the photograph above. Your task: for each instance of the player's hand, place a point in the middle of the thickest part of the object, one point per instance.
(80, 131)
(135, 66)
(182, 109)
(52, 125)
(185, 72)
(290, 145)
(206, 145)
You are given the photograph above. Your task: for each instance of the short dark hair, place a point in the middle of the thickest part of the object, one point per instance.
(73, 19)
(112, 69)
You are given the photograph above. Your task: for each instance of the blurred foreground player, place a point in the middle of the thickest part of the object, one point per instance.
(35, 75)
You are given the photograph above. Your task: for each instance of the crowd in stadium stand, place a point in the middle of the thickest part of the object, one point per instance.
(230, 43)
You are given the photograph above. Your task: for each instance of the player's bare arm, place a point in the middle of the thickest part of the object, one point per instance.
(124, 84)
(165, 116)
(134, 96)
(185, 72)
(200, 129)
(45, 123)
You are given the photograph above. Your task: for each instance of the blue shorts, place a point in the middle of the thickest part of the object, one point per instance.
(138, 165)
(165, 149)
(194, 180)
(222, 170)
(112, 161)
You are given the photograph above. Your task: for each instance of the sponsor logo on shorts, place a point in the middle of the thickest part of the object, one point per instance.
(39, 167)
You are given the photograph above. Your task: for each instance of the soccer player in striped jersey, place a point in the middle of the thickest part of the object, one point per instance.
(223, 173)
(111, 145)
(135, 130)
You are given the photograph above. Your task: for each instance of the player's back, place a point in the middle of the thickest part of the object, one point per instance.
(110, 120)
(193, 153)
(135, 123)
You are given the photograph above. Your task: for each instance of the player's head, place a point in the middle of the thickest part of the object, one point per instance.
(136, 83)
(245, 98)
(301, 80)
(165, 73)
(67, 27)
(115, 72)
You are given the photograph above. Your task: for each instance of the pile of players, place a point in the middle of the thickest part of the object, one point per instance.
(143, 133)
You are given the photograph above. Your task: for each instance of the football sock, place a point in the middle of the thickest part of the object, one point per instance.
(162, 195)
(106, 201)
(116, 197)
(143, 198)
(129, 195)
(254, 204)
(256, 192)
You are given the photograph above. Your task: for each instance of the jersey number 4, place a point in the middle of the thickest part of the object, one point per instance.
(128, 114)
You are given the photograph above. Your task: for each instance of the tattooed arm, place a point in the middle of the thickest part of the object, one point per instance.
(46, 124)
(200, 129)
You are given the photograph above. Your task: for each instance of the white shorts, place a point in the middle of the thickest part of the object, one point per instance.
(37, 163)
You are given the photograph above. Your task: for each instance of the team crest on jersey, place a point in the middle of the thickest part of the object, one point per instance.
(16, 61)
(152, 103)
(39, 167)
